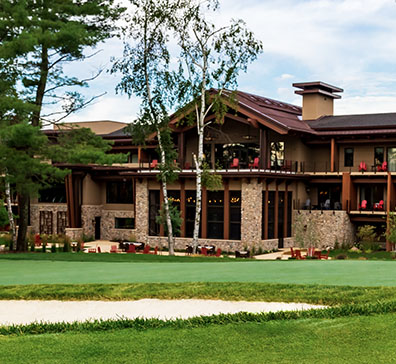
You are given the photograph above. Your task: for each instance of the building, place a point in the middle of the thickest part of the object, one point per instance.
(287, 172)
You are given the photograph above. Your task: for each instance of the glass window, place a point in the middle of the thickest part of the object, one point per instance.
(124, 223)
(154, 210)
(190, 214)
(392, 159)
(54, 194)
(119, 192)
(174, 199)
(277, 154)
(215, 214)
(378, 156)
(235, 215)
(348, 157)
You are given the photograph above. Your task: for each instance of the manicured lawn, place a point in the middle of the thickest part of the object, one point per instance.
(364, 339)
(234, 291)
(353, 273)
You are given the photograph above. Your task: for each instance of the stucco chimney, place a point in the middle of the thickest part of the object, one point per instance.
(318, 98)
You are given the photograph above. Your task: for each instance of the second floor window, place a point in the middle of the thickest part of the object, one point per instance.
(277, 154)
(119, 192)
(348, 157)
(378, 155)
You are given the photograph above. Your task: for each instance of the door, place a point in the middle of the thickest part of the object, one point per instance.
(97, 228)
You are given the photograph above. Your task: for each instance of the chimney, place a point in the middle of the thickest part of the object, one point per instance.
(317, 98)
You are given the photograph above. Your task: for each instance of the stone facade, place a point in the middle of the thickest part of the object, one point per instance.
(251, 214)
(74, 233)
(322, 228)
(35, 215)
(142, 210)
(107, 222)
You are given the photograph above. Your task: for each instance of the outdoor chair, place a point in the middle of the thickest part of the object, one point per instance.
(298, 254)
(218, 252)
(362, 167)
(92, 250)
(310, 252)
(156, 250)
(189, 249)
(204, 251)
(99, 249)
(113, 249)
(235, 163)
(37, 240)
(384, 166)
(293, 252)
(363, 205)
(187, 165)
(146, 249)
(131, 249)
(321, 256)
(154, 164)
(255, 163)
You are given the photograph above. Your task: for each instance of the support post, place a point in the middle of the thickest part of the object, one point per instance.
(285, 205)
(204, 213)
(276, 212)
(226, 234)
(266, 212)
(332, 155)
(183, 208)
(162, 230)
(263, 148)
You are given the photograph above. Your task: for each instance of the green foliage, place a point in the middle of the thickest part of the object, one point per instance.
(175, 217)
(5, 239)
(211, 180)
(367, 237)
(53, 248)
(3, 214)
(391, 231)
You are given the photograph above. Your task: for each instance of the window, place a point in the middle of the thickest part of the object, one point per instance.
(190, 214)
(215, 214)
(174, 199)
(235, 215)
(348, 157)
(119, 192)
(277, 154)
(392, 159)
(378, 156)
(124, 223)
(154, 210)
(54, 194)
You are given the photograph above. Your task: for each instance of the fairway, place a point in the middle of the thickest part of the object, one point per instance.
(346, 273)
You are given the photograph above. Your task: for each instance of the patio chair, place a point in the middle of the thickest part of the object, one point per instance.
(156, 250)
(384, 166)
(362, 167)
(146, 249)
(99, 249)
(310, 252)
(204, 251)
(363, 205)
(298, 254)
(189, 249)
(113, 249)
(255, 163)
(92, 250)
(37, 240)
(293, 253)
(218, 252)
(131, 249)
(187, 165)
(235, 163)
(154, 164)
(381, 205)
(321, 256)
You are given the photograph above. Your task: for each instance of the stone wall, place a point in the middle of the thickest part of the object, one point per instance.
(107, 222)
(142, 210)
(35, 215)
(322, 228)
(251, 212)
(74, 234)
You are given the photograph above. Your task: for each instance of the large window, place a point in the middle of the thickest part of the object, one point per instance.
(124, 223)
(235, 215)
(54, 194)
(119, 192)
(348, 157)
(215, 214)
(174, 199)
(245, 152)
(277, 154)
(281, 214)
(378, 156)
(190, 214)
(392, 159)
(154, 211)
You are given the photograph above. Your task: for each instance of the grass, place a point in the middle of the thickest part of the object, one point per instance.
(350, 273)
(316, 294)
(378, 255)
(363, 339)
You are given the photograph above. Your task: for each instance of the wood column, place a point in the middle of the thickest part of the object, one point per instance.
(139, 155)
(332, 155)
(226, 234)
(181, 150)
(183, 208)
(266, 212)
(285, 203)
(346, 191)
(263, 148)
(162, 230)
(388, 209)
(276, 212)
(70, 201)
(204, 213)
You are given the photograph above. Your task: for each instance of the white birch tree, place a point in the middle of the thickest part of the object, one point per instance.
(211, 56)
(146, 73)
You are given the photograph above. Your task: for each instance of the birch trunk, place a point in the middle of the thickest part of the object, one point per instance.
(10, 215)
(171, 239)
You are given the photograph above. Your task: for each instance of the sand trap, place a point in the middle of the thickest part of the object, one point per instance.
(25, 312)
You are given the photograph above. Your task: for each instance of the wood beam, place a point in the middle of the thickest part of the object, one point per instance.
(180, 149)
(266, 211)
(276, 212)
(285, 204)
(332, 154)
(204, 214)
(226, 234)
(162, 230)
(346, 191)
(263, 148)
(388, 209)
(183, 208)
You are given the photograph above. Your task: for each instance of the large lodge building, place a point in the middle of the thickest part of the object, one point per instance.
(286, 171)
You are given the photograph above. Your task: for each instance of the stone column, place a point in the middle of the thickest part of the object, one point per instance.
(142, 210)
(251, 211)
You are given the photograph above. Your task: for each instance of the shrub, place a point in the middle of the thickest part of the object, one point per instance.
(87, 238)
(53, 248)
(368, 239)
(6, 239)
(260, 250)
(341, 256)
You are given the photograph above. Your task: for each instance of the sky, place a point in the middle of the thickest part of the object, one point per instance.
(346, 43)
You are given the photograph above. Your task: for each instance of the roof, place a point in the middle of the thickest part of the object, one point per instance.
(354, 122)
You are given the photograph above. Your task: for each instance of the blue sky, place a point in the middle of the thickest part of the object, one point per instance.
(347, 43)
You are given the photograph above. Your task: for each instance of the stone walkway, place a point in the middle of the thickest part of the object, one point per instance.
(25, 312)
